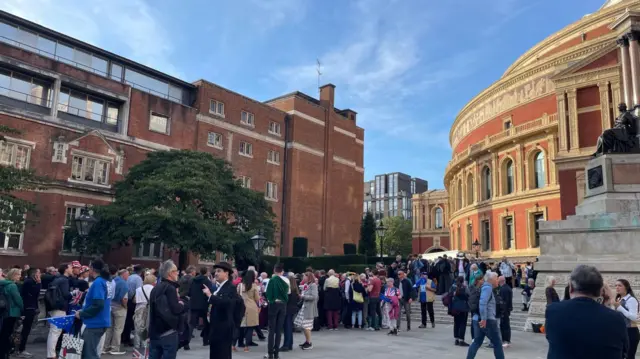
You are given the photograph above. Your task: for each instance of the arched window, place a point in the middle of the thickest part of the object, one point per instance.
(438, 218)
(508, 186)
(538, 170)
(486, 183)
(470, 199)
(459, 196)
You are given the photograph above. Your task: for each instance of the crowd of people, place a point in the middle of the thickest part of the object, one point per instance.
(159, 310)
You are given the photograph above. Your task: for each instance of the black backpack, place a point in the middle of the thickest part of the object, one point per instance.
(5, 304)
(238, 310)
(53, 298)
(474, 300)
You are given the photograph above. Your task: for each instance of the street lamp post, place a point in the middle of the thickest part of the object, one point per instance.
(380, 230)
(84, 224)
(258, 243)
(476, 247)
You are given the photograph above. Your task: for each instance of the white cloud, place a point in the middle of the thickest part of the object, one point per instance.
(131, 25)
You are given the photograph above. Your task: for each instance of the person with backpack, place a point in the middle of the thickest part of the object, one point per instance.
(141, 313)
(11, 308)
(474, 298)
(56, 301)
(96, 311)
(227, 310)
(165, 314)
(484, 318)
(459, 310)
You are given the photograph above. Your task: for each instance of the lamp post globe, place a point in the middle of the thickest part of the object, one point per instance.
(258, 244)
(85, 222)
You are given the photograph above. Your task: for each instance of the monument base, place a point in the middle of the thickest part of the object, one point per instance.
(605, 232)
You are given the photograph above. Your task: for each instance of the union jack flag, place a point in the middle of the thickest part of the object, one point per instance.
(141, 355)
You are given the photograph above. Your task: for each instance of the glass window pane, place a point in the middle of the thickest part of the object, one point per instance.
(95, 108)
(20, 86)
(99, 64)
(156, 250)
(78, 104)
(116, 72)
(64, 54)
(7, 32)
(13, 241)
(47, 47)
(112, 114)
(146, 83)
(89, 169)
(158, 123)
(82, 58)
(175, 93)
(5, 81)
(63, 100)
(27, 38)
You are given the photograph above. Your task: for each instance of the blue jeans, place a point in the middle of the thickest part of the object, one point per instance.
(288, 330)
(492, 332)
(356, 315)
(165, 347)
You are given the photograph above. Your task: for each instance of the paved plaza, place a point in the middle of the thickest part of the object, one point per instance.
(356, 344)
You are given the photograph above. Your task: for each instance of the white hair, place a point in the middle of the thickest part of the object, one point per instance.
(474, 266)
(166, 268)
(549, 281)
(490, 275)
(331, 272)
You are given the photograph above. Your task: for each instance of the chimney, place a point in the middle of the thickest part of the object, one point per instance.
(327, 95)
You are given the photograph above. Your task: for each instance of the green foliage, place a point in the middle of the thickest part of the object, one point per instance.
(187, 200)
(367, 244)
(397, 237)
(340, 263)
(12, 208)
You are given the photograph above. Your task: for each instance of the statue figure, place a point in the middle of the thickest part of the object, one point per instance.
(622, 138)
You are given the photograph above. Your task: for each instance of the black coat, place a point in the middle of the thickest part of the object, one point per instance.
(223, 304)
(581, 328)
(198, 299)
(30, 293)
(407, 290)
(332, 299)
(356, 287)
(506, 293)
(165, 309)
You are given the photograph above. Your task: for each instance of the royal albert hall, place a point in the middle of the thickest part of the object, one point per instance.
(521, 145)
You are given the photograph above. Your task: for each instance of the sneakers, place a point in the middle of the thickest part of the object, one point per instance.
(462, 343)
(113, 352)
(24, 355)
(306, 346)
(422, 327)
(370, 329)
(506, 345)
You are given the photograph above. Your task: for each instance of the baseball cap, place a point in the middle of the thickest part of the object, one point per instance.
(76, 264)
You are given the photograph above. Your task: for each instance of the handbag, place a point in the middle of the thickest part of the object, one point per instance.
(71, 347)
(357, 297)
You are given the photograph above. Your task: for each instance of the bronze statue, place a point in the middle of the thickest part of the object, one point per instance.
(622, 138)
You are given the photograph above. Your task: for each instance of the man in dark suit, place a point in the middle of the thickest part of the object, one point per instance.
(581, 328)
(407, 295)
(223, 306)
(506, 293)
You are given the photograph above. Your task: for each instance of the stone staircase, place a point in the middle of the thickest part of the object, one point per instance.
(518, 317)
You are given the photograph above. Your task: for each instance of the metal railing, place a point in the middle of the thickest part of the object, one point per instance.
(82, 66)
(25, 97)
(87, 114)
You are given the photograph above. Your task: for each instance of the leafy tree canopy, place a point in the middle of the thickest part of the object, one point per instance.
(397, 237)
(367, 244)
(187, 200)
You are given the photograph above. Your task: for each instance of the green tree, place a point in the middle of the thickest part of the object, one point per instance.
(12, 180)
(187, 200)
(367, 244)
(397, 237)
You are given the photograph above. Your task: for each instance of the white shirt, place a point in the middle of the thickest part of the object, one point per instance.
(347, 287)
(220, 287)
(631, 313)
(141, 300)
(506, 270)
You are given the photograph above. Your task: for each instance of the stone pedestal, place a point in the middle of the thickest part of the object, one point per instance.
(605, 232)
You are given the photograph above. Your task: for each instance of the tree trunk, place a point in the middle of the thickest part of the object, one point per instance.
(182, 259)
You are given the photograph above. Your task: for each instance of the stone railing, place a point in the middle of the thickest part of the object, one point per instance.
(539, 124)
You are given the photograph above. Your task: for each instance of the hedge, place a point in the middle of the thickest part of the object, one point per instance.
(339, 263)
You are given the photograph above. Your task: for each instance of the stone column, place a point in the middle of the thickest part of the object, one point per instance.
(615, 95)
(520, 164)
(634, 57)
(605, 105)
(573, 120)
(562, 123)
(551, 157)
(495, 176)
(627, 88)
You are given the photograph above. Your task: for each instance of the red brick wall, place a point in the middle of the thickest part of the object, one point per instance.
(589, 128)
(577, 40)
(569, 191)
(609, 59)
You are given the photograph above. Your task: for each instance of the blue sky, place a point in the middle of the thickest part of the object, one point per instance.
(406, 66)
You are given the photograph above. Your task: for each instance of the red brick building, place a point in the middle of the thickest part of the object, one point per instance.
(87, 115)
(521, 145)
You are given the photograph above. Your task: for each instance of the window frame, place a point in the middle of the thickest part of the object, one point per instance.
(276, 125)
(242, 151)
(216, 108)
(273, 196)
(138, 251)
(16, 145)
(438, 223)
(167, 130)
(106, 105)
(486, 235)
(539, 173)
(249, 120)
(214, 145)
(77, 208)
(245, 182)
(273, 157)
(486, 183)
(83, 169)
